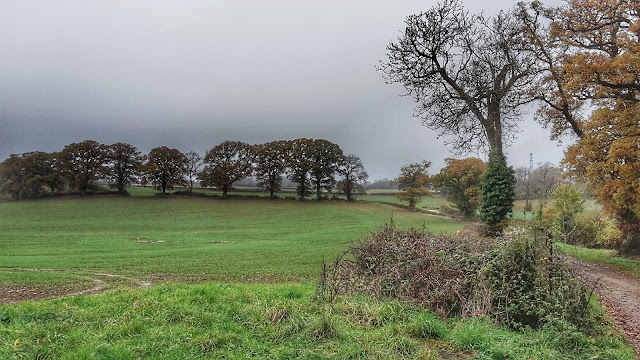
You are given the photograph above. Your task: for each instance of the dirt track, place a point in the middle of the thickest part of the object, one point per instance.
(618, 292)
(101, 283)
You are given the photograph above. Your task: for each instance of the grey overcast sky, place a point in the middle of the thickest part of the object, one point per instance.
(191, 74)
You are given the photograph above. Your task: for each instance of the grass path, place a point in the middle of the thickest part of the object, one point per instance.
(604, 257)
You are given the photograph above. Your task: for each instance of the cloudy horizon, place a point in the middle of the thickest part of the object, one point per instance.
(191, 75)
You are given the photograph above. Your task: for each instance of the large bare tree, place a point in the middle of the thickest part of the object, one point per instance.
(467, 73)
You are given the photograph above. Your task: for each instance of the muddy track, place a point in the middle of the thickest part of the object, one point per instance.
(618, 292)
(13, 294)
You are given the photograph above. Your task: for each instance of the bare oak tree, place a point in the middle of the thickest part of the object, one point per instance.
(467, 74)
(351, 168)
(192, 167)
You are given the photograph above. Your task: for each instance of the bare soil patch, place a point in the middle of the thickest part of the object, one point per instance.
(147, 241)
(618, 292)
(102, 282)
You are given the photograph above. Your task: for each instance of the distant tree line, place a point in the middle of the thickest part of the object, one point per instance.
(538, 182)
(311, 164)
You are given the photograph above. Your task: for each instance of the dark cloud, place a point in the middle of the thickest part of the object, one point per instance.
(193, 74)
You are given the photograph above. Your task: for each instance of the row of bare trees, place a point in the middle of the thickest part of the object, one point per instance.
(310, 163)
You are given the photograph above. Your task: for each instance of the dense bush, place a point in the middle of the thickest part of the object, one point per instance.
(521, 283)
(533, 287)
(412, 265)
(560, 215)
(594, 230)
(449, 210)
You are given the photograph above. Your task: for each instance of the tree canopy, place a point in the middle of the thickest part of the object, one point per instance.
(463, 179)
(324, 156)
(225, 164)
(271, 162)
(164, 168)
(468, 74)
(83, 163)
(123, 161)
(412, 182)
(594, 47)
(192, 165)
(351, 168)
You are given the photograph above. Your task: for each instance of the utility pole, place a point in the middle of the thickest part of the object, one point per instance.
(527, 205)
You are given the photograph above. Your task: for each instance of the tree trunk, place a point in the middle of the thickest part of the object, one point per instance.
(225, 190)
(493, 127)
(630, 226)
(303, 190)
(318, 190)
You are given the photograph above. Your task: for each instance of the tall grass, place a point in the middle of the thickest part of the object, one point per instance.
(266, 321)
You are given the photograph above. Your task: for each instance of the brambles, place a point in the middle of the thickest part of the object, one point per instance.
(521, 283)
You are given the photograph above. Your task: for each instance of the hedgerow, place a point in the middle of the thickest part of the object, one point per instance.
(521, 282)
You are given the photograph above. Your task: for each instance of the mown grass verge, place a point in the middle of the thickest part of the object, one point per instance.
(605, 257)
(267, 321)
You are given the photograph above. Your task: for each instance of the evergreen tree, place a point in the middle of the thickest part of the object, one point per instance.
(497, 193)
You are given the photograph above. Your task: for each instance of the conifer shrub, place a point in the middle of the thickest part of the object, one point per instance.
(498, 193)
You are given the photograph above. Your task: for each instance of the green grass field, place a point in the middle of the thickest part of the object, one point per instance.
(214, 321)
(75, 243)
(383, 196)
(249, 240)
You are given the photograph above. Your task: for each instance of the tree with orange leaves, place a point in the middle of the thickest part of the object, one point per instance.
(412, 182)
(608, 155)
(593, 52)
(463, 179)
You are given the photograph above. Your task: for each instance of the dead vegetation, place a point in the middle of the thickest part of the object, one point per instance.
(519, 282)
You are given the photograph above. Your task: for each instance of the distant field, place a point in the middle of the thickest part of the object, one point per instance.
(519, 205)
(378, 195)
(65, 239)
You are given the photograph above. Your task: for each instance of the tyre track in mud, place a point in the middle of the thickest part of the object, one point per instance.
(13, 294)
